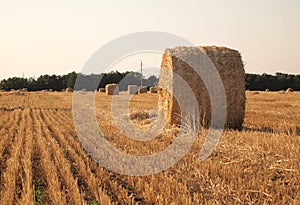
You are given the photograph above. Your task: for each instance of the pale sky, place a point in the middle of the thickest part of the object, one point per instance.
(57, 37)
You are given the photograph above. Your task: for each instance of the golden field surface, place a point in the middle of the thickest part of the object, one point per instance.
(43, 162)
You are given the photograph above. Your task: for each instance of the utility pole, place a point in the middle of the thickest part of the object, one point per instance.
(141, 73)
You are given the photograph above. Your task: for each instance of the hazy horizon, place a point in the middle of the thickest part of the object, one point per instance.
(58, 37)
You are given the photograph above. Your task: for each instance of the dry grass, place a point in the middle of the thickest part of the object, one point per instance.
(42, 162)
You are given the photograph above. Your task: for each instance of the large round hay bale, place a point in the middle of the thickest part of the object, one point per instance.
(267, 90)
(24, 90)
(69, 90)
(290, 90)
(16, 92)
(132, 89)
(112, 89)
(142, 89)
(153, 89)
(102, 90)
(228, 63)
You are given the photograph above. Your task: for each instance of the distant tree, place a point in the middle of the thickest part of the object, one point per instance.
(279, 81)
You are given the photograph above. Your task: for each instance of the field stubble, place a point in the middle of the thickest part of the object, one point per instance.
(42, 161)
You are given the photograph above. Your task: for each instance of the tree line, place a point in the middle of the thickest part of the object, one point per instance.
(279, 81)
(59, 82)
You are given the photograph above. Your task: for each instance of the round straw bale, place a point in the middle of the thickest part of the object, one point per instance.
(69, 90)
(132, 89)
(112, 89)
(102, 90)
(290, 90)
(142, 89)
(228, 63)
(153, 89)
(24, 90)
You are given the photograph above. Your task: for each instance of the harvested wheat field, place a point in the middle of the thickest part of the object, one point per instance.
(43, 162)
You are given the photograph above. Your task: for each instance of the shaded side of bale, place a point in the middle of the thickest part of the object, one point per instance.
(153, 89)
(102, 90)
(142, 89)
(69, 90)
(132, 89)
(228, 63)
(290, 90)
(112, 89)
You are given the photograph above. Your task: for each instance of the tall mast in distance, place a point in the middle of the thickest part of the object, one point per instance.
(141, 73)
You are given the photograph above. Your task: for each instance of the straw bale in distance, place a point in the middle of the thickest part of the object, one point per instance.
(290, 90)
(112, 89)
(229, 64)
(142, 89)
(102, 90)
(132, 89)
(153, 89)
(69, 90)
(16, 92)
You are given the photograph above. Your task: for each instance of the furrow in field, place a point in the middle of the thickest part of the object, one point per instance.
(86, 179)
(69, 184)
(39, 180)
(112, 183)
(10, 174)
(7, 121)
(53, 189)
(26, 172)
(139, 190)
(86, 168)
(7, 139)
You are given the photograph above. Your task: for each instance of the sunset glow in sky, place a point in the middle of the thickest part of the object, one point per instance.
(57, 37)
